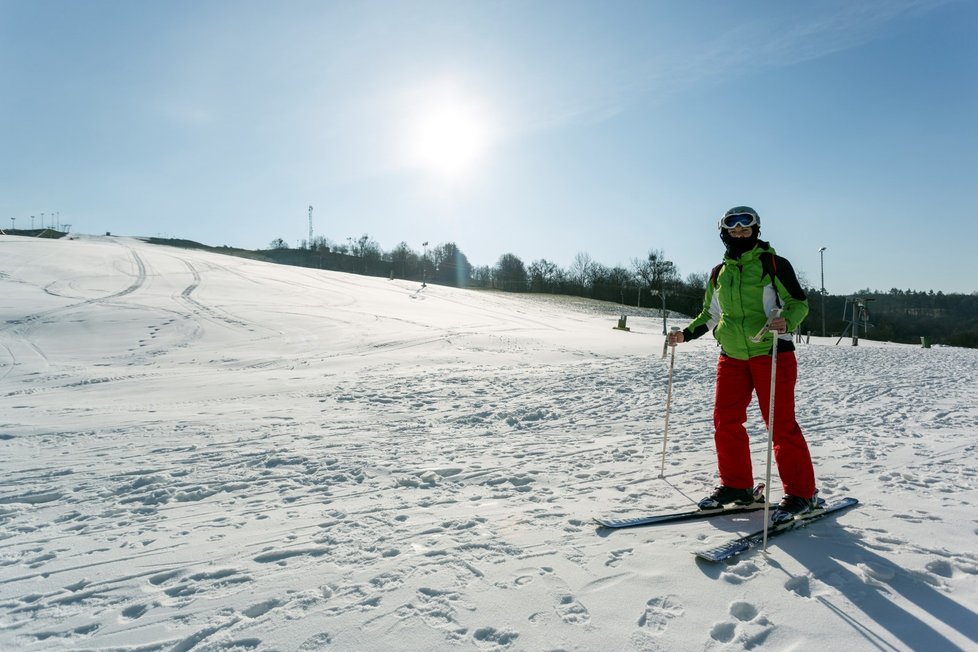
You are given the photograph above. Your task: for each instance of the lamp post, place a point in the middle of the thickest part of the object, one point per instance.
(662, 294)
(424, 264)
(821, 255)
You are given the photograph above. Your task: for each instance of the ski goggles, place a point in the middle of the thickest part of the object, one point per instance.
(739, 219)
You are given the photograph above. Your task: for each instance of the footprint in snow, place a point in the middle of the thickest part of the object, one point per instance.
(747, 626)
(522, 580)
(743, 611)
(800, 586)
(573, 612)
(617, 556)
(134, 612)
(740, 572)
(659, 612)
(262, 608)
(490, 638)
(317, 642)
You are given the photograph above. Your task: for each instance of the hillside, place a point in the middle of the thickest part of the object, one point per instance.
(203, 452)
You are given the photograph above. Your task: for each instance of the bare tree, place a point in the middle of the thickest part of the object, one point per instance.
(656, 272)
(660, 276)
(482, 276)
(582, 270)
(405, 261)
(544, 275)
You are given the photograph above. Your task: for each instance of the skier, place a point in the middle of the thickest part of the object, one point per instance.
(740, 295)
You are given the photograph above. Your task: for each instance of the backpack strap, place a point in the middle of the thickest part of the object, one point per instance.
(715, 274)
(769, 265)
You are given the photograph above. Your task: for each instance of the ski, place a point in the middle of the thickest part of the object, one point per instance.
(676, 517)
(744, 543)
(634, 521)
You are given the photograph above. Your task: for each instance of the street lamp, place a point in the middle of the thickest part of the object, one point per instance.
(424, 264)
(662, 294)
(821, 255)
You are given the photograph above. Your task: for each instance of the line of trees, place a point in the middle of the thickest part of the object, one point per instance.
(650, 282)
(899, 316)
(653, 281)
(444, 264)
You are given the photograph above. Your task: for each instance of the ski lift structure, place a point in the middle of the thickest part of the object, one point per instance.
(854, 312)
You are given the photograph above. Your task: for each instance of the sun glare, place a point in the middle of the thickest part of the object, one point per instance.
(448, 136)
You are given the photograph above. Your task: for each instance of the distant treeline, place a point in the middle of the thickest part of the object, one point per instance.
(53, 234)
(900, 316)
(651, 282)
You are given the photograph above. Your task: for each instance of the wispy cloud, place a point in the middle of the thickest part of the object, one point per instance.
(757, 42)
(811, 33)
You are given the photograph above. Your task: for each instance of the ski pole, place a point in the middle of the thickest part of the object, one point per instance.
(775, 313)
(665, 434)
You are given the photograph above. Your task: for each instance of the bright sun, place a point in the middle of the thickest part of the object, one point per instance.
(448, 135)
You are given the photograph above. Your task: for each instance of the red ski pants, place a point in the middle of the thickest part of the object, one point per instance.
(736, 381)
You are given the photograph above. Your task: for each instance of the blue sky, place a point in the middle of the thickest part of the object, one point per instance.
(542, 129)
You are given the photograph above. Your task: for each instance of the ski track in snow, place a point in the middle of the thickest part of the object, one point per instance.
(205, 453)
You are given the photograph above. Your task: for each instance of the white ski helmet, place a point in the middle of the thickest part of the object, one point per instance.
(739, 216)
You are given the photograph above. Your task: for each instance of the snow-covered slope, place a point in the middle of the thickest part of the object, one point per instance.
(201, 452)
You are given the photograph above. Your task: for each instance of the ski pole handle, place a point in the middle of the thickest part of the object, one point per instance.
(774, 314)
(666, 344)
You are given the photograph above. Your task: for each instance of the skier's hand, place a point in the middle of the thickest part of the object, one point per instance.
(778, 325)
(675, 337)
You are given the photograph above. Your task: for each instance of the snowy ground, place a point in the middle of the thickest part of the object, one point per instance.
(201, 452)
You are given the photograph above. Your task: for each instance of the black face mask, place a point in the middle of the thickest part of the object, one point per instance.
(737, 247)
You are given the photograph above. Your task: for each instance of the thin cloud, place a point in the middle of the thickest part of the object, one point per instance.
(787, 39)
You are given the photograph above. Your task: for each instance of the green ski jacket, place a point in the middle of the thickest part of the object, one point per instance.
(740, 297)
